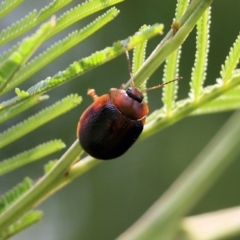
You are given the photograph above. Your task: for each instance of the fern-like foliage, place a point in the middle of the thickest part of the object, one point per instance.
(24, 222)
(31, 155)
(212, 98)
(62, 22)
(8, 5)
(59, 48)
(50, 9)
(7, 54)
(181, 8)
(198, 75)
(81, 11)
(49, 166)
(88, 63)
(139, 53)
(9, 113)
(231, 61)
(223, 95)
(8, 198)
(29, 21)
(171, 67)
(39, 119)
(138, 60)
(187, 107)
(13, 72)
(22, 53)
(228, 100)
(18, 28)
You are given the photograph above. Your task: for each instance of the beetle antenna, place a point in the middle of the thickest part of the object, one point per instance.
(161, 85)
(129, 68)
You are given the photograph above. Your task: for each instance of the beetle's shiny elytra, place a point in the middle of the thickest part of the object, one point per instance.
(112, 123)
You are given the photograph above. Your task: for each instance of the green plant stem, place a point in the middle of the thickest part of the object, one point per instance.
(157, 124)
(162, 220)
(171, 42)
(213, 226)
(75, 171)
(41, 189)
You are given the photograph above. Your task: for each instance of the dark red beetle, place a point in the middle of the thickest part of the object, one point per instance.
(112, 123)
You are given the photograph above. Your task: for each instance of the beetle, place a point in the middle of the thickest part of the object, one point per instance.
(112, 123)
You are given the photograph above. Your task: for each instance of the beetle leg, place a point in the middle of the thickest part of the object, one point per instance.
(122, 86)
(92, 94)
(78, 127)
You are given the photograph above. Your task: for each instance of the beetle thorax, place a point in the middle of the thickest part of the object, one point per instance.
(129, 103)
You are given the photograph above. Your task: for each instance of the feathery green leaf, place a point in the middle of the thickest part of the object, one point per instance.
(138, 60)
(9, 68)
(58, 48)
(79, 12)
(24, 222)
(198, 74)
(25, 49)
(173, 39)
(50, 9)
(39, 119)
(231, 61)
(49, 166)
(44, 187)
(31, 155)
(30, 21)
(226, 102)
(88, 63)
(171, 67)
(184, 194)
(8, 113)
(4, 57)
(188, 106)
(139, 53)
(21, 93)
(181, 8)
(68, 18)
(8, 198)
(7, 6)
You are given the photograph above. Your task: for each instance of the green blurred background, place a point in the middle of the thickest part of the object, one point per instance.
(109, 198)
